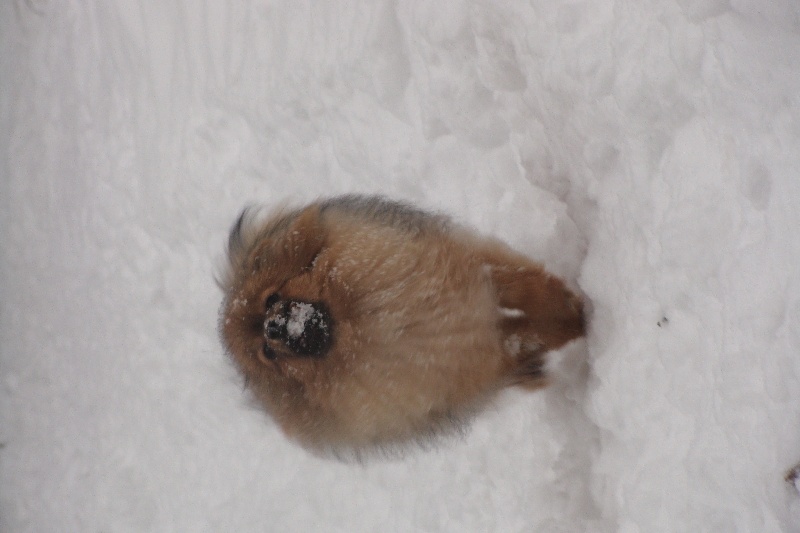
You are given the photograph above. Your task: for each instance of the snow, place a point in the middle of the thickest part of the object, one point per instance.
(648, 151)
(301, 313)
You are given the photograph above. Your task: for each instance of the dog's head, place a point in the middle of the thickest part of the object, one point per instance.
(273, 314)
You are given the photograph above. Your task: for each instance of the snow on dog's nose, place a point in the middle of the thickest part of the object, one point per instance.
(304, 327)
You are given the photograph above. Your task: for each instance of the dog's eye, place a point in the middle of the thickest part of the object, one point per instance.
(272, 299)
(267, 352)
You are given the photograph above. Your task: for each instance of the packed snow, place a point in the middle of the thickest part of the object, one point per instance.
(648, 151)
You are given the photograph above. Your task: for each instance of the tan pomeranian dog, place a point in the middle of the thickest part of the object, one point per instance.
(361, 323)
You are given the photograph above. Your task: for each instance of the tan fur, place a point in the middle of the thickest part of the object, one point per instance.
(421, 335)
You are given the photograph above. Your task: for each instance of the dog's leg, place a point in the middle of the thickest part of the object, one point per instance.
(551, 311)
(526, 351)
(537, 312)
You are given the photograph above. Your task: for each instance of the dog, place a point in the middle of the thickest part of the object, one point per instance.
(362, 323)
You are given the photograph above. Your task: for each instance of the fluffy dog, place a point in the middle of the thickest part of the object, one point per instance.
(360, 323)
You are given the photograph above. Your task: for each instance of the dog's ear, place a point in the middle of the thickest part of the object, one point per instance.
(304, 239)
(273, 251)
(288, 246)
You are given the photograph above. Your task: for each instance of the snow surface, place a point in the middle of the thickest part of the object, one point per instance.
(648, 150)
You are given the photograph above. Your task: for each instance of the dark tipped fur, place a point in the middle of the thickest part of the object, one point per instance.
(390, 212)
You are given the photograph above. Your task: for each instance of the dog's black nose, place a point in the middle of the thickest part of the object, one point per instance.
(308, 329)
(303, 327)
(274, 330)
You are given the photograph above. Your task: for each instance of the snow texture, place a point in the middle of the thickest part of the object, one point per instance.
(647, 150)
(301, 313)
